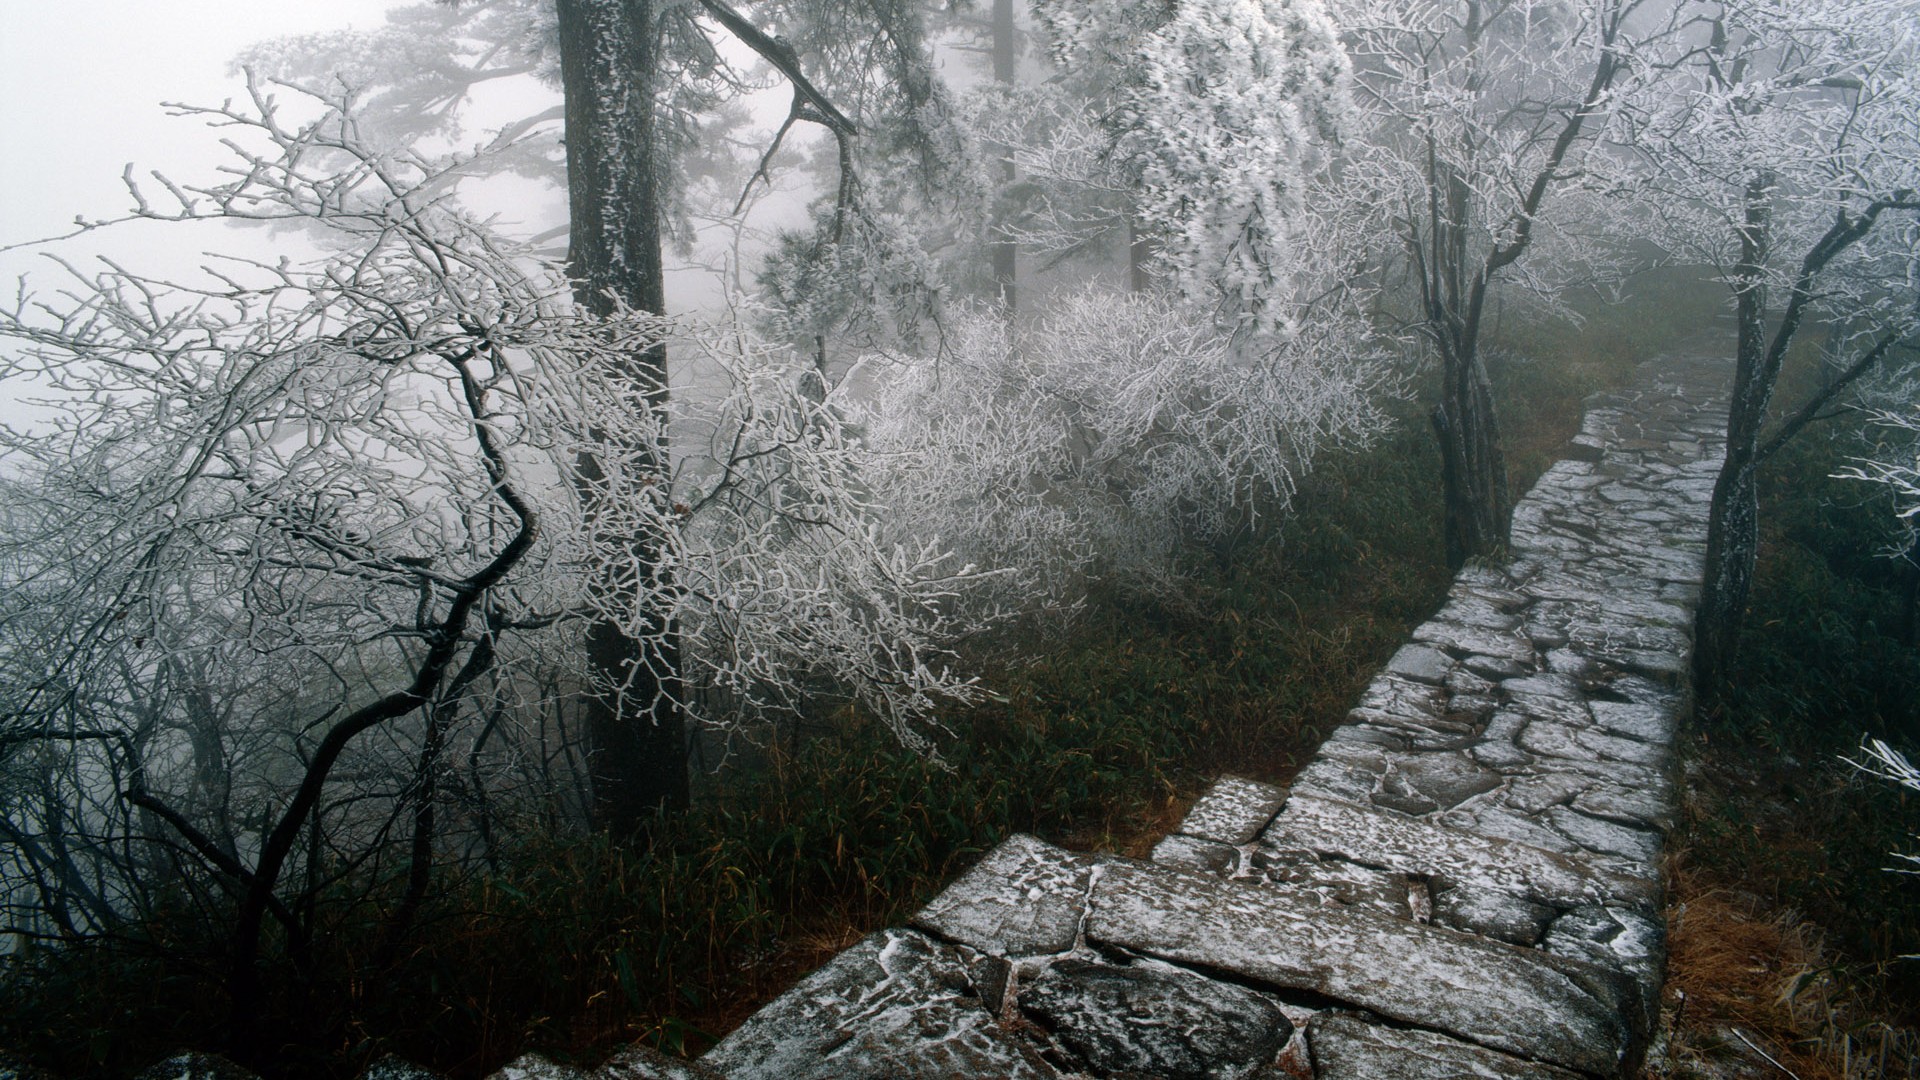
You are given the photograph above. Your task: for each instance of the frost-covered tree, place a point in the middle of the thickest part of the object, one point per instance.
(648, 89)
(1476, 118)
(1216, 114)
(1105, 438)
(286, 545)
(1787, 154)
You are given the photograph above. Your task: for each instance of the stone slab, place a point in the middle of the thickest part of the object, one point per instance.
(1392, 842)
(1233, 810)
(896, 1006)
(1024, 898)
(1522, 1001)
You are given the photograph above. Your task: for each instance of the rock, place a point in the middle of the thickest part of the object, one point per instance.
(1348, 1048)
(1501, 755)
(1496, 667)
(1459, 640)
(1519, 1000)
(1421, 663)
(1555, 739)
(196, 1066)
(1023, 898)
(1536, 793)
(1647, 723)
(1154, 1019)
(645, 1063)
(1493, 914)
(538, 1067)
(1642, 809)
(1233, 810)
(15, 1068)
(1626, 941)
(897, 1006)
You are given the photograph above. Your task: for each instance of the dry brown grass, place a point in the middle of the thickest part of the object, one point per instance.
(1747, 983)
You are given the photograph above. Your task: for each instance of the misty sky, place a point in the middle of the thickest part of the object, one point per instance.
(80, 87)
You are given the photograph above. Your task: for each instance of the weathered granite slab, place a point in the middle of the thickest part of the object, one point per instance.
(1024, 898)
(1154, 1019)
(1523, 1001)
(897, 1006)
(1233, 810)
(1349, 1048)
(1409, 846)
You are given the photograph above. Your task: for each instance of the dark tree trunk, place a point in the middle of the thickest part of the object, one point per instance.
(1473, 468)
(1733, 531)
(635, 728)
(1005, 253)
(1732, 524)
(1139, 254)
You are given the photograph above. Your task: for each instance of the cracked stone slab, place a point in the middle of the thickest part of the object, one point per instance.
(1605, 837)
(1564, 741)
(1648, 723)
(1154, 1019)
(1024, 898)
(1445, 780)
(1523, 1001)
(1628, 806)
(1349, 1048)
(1233, 810)
(896, 1006)
(1391, 842)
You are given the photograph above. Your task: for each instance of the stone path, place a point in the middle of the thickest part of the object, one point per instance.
(1464, 882)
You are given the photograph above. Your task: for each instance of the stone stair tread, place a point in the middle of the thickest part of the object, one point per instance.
(1393, 841)
(897, 1006)
(1023, 898)
(1523, 1001)
(1233, 810)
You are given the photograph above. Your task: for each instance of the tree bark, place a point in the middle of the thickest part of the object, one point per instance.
(1005, 253)
(636, 731)
(1732, 523)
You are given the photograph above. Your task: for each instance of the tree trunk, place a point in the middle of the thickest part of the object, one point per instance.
(636, 732)
(1005, 253)
(1733, 534)
(1473, 468)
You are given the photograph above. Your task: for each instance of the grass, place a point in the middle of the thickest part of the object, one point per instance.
(574, 946)
(1786, 923)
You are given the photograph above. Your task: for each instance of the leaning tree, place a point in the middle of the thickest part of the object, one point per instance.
(1476, 118)
(1787, 155)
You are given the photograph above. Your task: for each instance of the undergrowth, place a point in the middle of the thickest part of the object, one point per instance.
(1787, 923)
(572, 945)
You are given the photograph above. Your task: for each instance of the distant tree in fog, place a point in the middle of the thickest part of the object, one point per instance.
(1216, 117)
